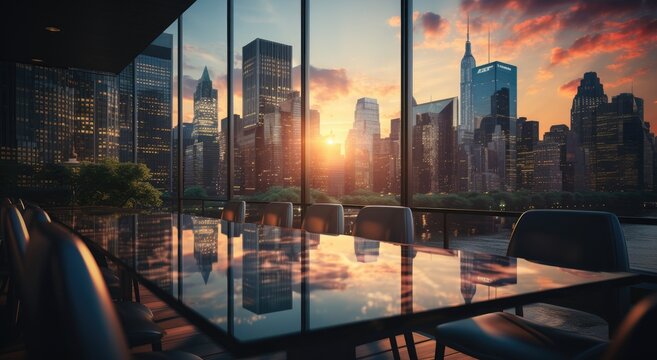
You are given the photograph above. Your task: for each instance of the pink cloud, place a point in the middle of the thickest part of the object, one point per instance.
(569, 89)
(631, 39)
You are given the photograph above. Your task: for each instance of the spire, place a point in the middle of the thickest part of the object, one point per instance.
(468, 34)
(205, 76)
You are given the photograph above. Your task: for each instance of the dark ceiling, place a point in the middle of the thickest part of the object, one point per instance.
(100, 35)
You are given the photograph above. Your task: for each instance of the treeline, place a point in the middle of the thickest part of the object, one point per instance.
(626, 203)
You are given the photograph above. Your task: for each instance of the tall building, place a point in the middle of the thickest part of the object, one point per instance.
(206, 235)
(547, 175)
(202, 156)
(468, 63)
(153, 86)
(571, 154)
(266, 82)
(434, 146)
(360, 145)
(52, 116)
(527, 138)
(590, 94)
(488, 94)
(623, 148)
(387, 161)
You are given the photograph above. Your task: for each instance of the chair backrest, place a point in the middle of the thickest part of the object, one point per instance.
(636, 335)
(234, 211)
(34, 214)
(70, 314)
(17, 239)
(324, 219)
(385, 223)
(277, 214)
(585, 240)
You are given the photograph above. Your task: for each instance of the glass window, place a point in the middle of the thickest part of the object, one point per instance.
(354, 135)
(267, 143)
(204, 100)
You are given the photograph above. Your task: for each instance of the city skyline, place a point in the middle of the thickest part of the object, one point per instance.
(342, 74)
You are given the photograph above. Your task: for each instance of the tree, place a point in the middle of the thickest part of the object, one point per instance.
(111, 183)
(195, 192)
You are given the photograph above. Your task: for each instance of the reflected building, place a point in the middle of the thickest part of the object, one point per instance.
(154, 257)
(434, 146)
(205, 232)
(367, 251)
(266, 271)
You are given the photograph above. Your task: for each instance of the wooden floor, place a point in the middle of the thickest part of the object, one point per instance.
(180, 335)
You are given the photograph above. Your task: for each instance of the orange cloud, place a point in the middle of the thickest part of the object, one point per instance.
(569, 89)
(632, 39)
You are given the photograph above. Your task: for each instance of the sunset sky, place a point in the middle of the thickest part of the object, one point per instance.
(355, 51)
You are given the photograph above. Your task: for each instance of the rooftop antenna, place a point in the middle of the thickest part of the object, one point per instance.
(489, 43)
(468, 36)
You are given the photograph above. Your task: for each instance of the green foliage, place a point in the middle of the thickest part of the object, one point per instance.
(195, 192)
(366, 197)
(111, 183)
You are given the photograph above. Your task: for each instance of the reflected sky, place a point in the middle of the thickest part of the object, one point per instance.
(248, 279)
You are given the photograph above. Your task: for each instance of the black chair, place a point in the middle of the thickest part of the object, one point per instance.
(394, 224)
(585, 240)
(17, 238)
(136, 318)
(277, 214)
(234, 211)
(385, 223)
(70, 313)
(324, 219)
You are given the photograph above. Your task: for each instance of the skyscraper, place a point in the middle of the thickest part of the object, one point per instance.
(488, 84)
(466, 123)
(590, 94)
(202, 156)
(527, 138)
(622, 146)
(360, 145)
(266, 82)
(153, 85)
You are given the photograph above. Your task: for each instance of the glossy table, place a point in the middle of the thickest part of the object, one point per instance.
(257, 289)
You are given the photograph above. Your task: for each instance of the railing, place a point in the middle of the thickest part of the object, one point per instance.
(634, 220)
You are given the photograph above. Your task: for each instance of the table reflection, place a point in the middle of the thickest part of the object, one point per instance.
(254, 281)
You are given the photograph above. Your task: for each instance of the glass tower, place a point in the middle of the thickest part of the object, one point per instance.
(487, 82)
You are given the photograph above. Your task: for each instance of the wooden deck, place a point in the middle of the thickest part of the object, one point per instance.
(183, 336)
